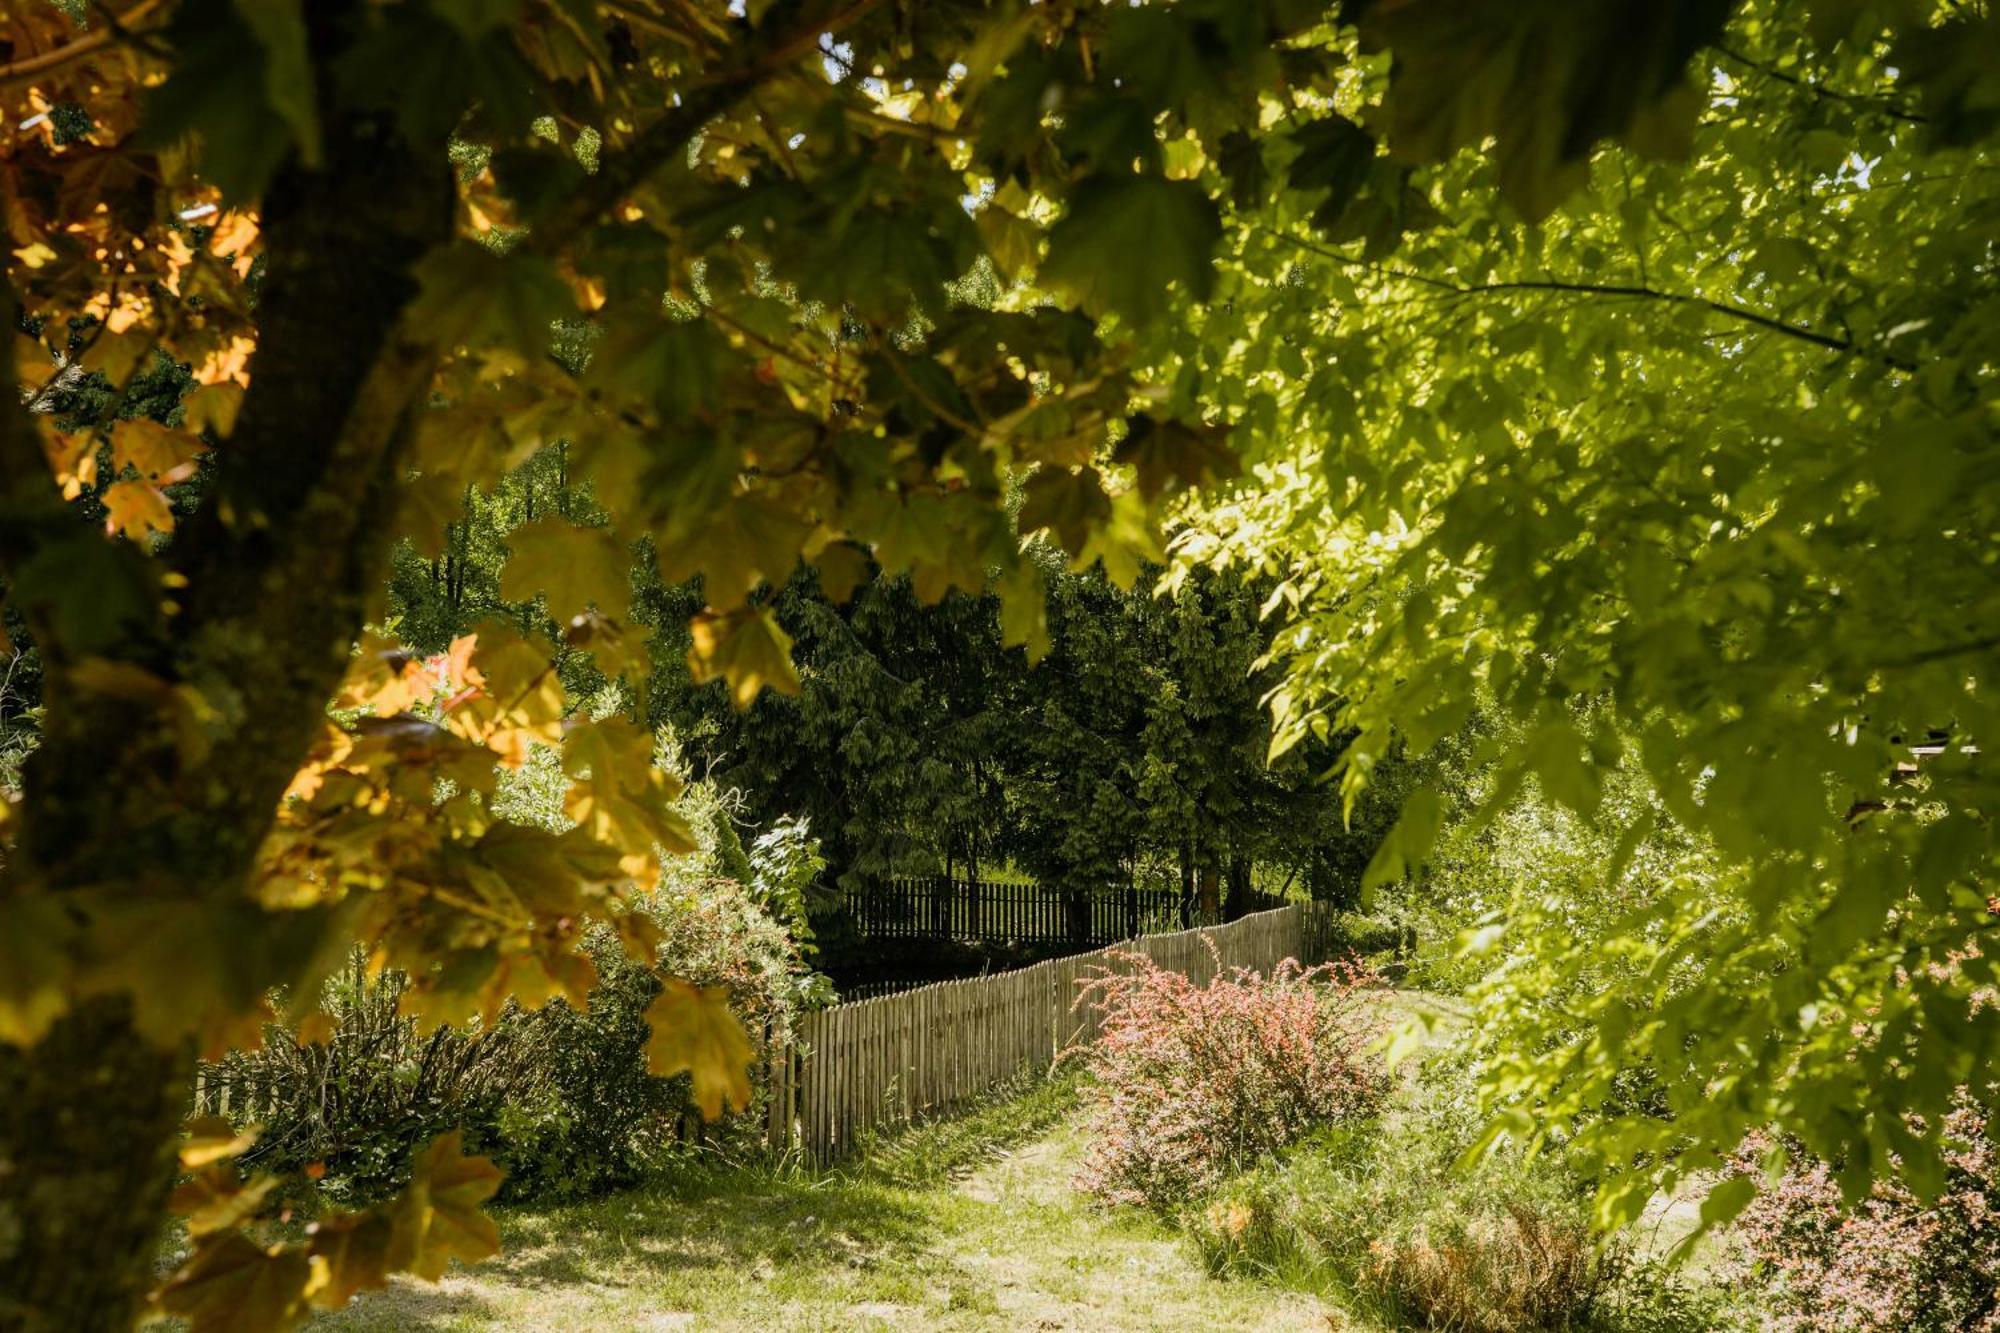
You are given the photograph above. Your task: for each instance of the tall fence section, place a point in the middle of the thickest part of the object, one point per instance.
(872, 1063)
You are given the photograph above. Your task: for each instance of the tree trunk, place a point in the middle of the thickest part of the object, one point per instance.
(277, 572)
(1238, 902)
(88, 1124)
(1211, 893)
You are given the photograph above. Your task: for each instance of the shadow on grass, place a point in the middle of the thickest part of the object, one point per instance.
(711, 1226)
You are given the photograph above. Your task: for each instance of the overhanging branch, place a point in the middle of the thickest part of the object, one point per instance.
(1633, 291)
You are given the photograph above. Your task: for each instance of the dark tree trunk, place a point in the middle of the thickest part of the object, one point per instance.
(1211, 893)
(281, 566)
(87, 1127)
(1237, 904)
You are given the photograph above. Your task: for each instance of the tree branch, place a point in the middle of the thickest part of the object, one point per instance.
(621, 172)
(28, 67)
(1821, 90)
(1943, 652)
(1628, 290)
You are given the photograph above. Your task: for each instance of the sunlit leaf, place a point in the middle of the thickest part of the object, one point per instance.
(693, 1031)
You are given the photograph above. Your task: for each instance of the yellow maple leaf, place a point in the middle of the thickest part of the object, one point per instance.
(745, 647)
(437, 1217)
(353, 1252)
(694, 1030)
(135, 508)
(231, 1284)
(572, 568)
(211, 1139)
(213, 407)
(217, 1199)
(383, 677)
(154, 451)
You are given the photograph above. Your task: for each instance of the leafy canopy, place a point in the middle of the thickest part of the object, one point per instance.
(1690, 481)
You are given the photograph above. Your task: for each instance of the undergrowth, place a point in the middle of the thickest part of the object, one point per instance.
(1381, 1217)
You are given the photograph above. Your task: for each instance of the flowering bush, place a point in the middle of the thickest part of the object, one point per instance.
(1197, 1082)
(1891, 1262)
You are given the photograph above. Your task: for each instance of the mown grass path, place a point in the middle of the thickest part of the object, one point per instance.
(969, 1225)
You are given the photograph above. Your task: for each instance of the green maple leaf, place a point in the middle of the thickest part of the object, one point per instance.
(1126, 240)
(1069, 504)
(1545, 79)
(474, 297)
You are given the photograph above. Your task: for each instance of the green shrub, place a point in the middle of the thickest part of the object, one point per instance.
(560, 1098)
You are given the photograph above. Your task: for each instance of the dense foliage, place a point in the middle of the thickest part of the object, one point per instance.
(559, 1098)
(899, 286)
(1893, 1262)
(1382, 1216)
(1692, 480)
(1134, 751)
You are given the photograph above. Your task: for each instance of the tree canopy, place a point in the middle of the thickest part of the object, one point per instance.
(1526, 413)
(1692, 480)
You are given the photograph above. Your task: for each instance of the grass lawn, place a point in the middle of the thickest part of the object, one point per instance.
(968, 1224)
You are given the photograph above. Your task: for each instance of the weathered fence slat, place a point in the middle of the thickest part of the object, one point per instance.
(896, 1058)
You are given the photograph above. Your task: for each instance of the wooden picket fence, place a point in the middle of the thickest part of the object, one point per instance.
(868, 1064)
(937, 907)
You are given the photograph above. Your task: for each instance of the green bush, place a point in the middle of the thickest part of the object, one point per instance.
(560, 1098)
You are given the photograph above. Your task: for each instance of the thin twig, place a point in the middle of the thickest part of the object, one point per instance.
(1862, 100)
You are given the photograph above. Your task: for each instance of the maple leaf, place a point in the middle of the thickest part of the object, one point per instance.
(1126, 239)
(745, 647)
(1069, 504)
(383, 678)
(212, 1139)
(231, 1284)
(521, 702)
(606, 642)
(694, 1031)
(354, 1251)
(572, 568)
(437, 1217)
(217, 1199)
(620, 797)
(1167, 453)
(35, 935)
(154, 451)
(843, 567)
(135, 508)
(213, 408)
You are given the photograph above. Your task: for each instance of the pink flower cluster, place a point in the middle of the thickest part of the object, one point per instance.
(1197, 1082)
(1892, 1262)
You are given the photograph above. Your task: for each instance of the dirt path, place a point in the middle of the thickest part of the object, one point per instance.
(1008, 1246)
(1055, 1261)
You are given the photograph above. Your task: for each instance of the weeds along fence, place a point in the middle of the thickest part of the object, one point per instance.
(874, 1063)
